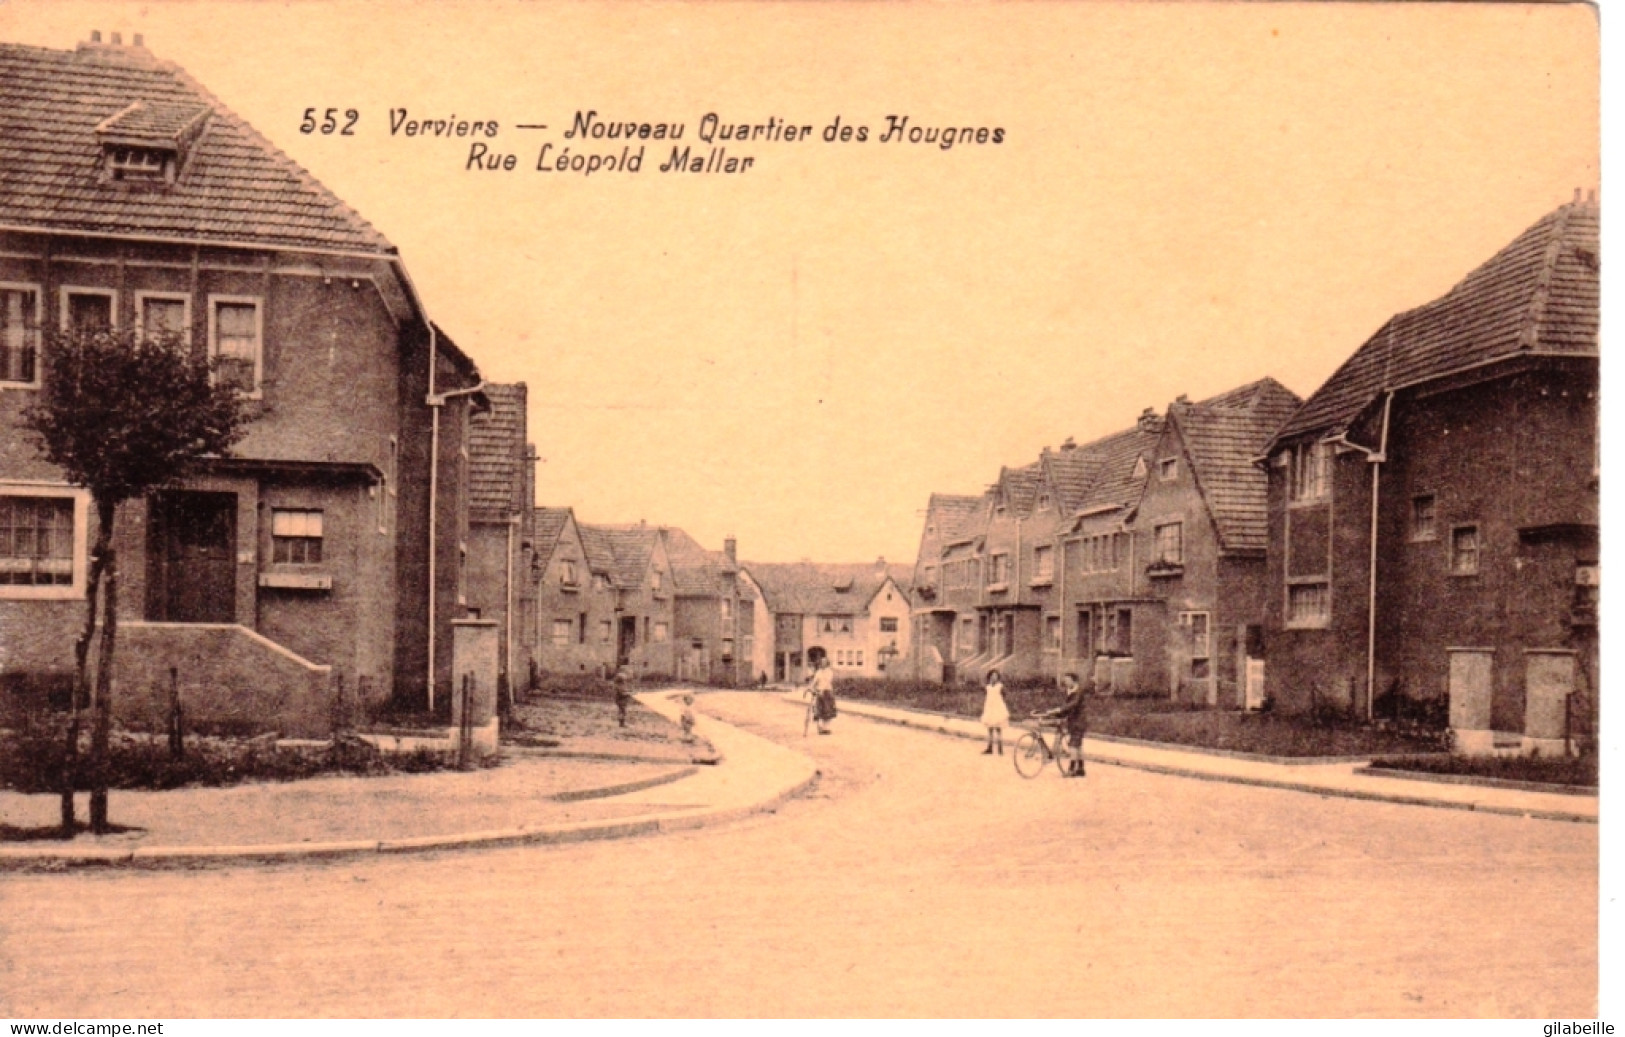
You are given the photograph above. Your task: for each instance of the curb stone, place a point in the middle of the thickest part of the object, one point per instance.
(59, 857)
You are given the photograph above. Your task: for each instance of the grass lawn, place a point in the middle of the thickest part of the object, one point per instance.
(1159, 719)
(1544, 770)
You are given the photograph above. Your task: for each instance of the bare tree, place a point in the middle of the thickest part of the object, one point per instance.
(122, 414)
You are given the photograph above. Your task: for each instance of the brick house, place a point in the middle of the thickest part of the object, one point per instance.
(1085, 561)
(130, 196)
(714, 612)
(501, 536)
(575, 615)
(645, 601)
(858, 615)
(1203, 519)
(1433, 508)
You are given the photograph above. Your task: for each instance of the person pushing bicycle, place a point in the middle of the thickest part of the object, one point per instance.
(1074, 717)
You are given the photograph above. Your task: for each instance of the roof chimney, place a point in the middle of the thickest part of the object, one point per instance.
(118, 41)
(96, 37)
(730, 550)
(137, 41)
(1149, 422)
(1070, 444)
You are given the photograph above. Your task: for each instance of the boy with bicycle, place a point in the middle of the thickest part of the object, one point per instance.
(1074, 717)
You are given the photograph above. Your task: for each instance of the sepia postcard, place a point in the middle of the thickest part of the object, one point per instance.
(679, 510)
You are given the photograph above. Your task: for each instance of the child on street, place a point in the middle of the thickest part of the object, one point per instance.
(995, 713)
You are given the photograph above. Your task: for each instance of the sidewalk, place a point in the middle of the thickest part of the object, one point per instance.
(534, 797)
(1326, 779)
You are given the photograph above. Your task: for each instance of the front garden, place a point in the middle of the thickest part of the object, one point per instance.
(1161, 719)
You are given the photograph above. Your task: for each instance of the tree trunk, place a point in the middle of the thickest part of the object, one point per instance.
(80, 695)
(102, 704)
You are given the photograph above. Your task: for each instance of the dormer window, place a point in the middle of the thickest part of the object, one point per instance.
(149, 142)
(140, 164)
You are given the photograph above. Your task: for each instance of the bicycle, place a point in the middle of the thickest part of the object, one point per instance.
(1033, 752)
(812, 709)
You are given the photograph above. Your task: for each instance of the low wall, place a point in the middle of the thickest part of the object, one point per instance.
(227, 675)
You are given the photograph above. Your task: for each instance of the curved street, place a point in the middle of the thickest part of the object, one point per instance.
(919, 878)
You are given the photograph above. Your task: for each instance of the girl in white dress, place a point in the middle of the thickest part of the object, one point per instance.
(995, 714)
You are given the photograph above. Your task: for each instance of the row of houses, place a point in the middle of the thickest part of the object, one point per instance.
(1423, 529)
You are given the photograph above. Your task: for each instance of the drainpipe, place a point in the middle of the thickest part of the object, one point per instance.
(435, 401)
(1376, 460)
(507, 612)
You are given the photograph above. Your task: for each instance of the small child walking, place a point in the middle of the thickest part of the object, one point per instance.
(623, 692)
(687, 717)
(995, 713)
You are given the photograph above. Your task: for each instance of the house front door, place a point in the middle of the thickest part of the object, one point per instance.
(628, 640)
(194, 558)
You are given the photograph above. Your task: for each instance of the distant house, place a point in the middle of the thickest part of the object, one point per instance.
(857, 615)
(1433, 512)
(714, 612)
(1135, 561)
(500, 520)
(329, 546)
(575, 619)
(640, 574)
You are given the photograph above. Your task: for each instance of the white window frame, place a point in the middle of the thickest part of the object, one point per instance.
(1297, 462)
(1416, 534)
(1054, 633)
(661, 633)
(39, 337)
(1477, 552)
(68, 291)
(259, 335)
(1167, 469)
(81, 541)
(1043, 564)
(1178, 537)
(566, 627)
(1319, 622)
(183, 298)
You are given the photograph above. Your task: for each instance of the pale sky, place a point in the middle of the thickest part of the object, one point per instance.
(1187, 197)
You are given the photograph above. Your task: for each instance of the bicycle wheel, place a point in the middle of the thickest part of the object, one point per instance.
(1030, 755)
(1063, 758)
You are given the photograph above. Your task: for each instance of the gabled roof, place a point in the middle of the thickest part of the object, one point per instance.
(1117, 478)
(630, 548)
(1070, 472)
(1539, 293)
(953, 515)
(599, 549)
(813, 588)
(550, 524)
(235, 187)
(695, 571)
(1018, 487)
(496, 455)
(1222, 436)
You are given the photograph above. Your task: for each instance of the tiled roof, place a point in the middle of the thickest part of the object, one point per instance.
(630, 548)
(496, 455)
(1118, 479)
(954, 515)
(234, 186)
(549, 525)
(1223, 435)
(1070, 472)
(1538, 293)
(1019, 487)
(599, 549)
(695, 571)
(812, 588)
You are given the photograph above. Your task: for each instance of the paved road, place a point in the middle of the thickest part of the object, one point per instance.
(919, 879)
